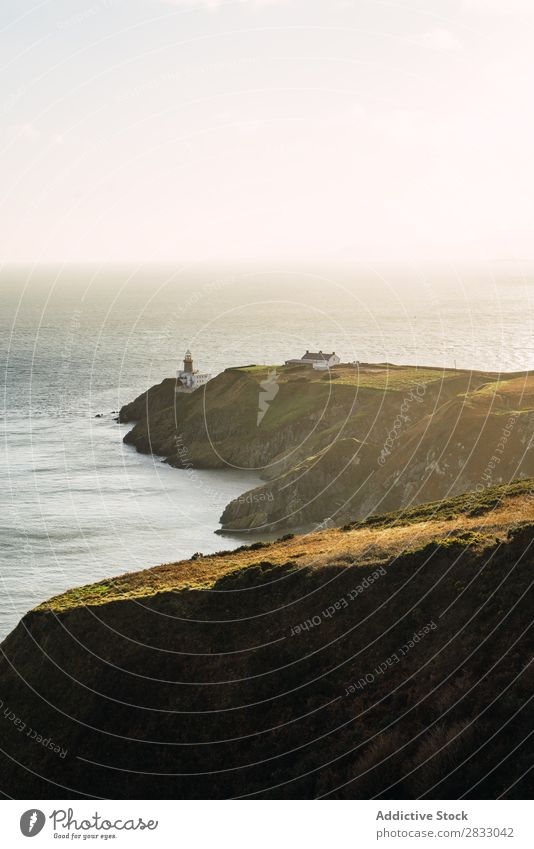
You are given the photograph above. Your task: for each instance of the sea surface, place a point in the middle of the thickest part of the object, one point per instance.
(77, 505)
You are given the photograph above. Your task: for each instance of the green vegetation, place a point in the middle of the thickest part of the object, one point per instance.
(456, 542)
(381, 377)
(254, 369)
(393, 378)
(491, 388)
(423, 433)
(468, 504)
(411, 642)
(476, 520)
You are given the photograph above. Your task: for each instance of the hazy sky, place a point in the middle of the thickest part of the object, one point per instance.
(266, 129)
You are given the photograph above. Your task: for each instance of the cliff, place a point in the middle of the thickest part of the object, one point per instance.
(391, 658)
(346, 444)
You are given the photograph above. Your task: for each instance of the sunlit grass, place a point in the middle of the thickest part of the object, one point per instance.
(470, 520)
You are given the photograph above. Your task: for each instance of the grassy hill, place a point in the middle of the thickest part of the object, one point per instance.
(390, 658)
(355, 441)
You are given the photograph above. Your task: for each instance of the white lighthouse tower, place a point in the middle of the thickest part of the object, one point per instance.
(187, 379)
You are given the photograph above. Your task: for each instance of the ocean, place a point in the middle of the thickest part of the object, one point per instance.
(77, 505)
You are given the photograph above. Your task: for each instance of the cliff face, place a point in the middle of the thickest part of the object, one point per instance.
(318, 491)
(346, 444)
(391, 658)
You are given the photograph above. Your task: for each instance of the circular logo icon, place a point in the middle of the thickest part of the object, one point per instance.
(32, 822)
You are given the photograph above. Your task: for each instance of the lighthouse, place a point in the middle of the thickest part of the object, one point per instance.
(187, 379)
(188, 362)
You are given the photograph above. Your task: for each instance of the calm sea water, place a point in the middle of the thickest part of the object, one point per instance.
(76, 504)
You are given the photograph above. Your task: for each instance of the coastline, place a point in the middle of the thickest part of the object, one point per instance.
(328, 445)
(217, 638)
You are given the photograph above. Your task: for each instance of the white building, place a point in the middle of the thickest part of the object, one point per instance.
(319, 360)
(187, 379)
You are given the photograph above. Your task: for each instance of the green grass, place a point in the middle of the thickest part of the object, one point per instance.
(394, 379)
(455, 542)
(490, 388)
(253, 369)
(289, 405)
(468, 504)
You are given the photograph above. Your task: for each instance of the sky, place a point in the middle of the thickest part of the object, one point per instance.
(266, 130)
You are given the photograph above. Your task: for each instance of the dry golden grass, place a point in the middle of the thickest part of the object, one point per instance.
(358, 547)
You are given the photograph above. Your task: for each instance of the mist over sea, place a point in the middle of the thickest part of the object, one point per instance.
(76, 504)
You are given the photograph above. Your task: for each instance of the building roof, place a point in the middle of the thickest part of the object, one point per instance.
(319, 356)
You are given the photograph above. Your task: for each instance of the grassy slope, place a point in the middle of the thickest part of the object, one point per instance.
(202, 658)
(463, 430)
(478, 517)
(309, 413)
